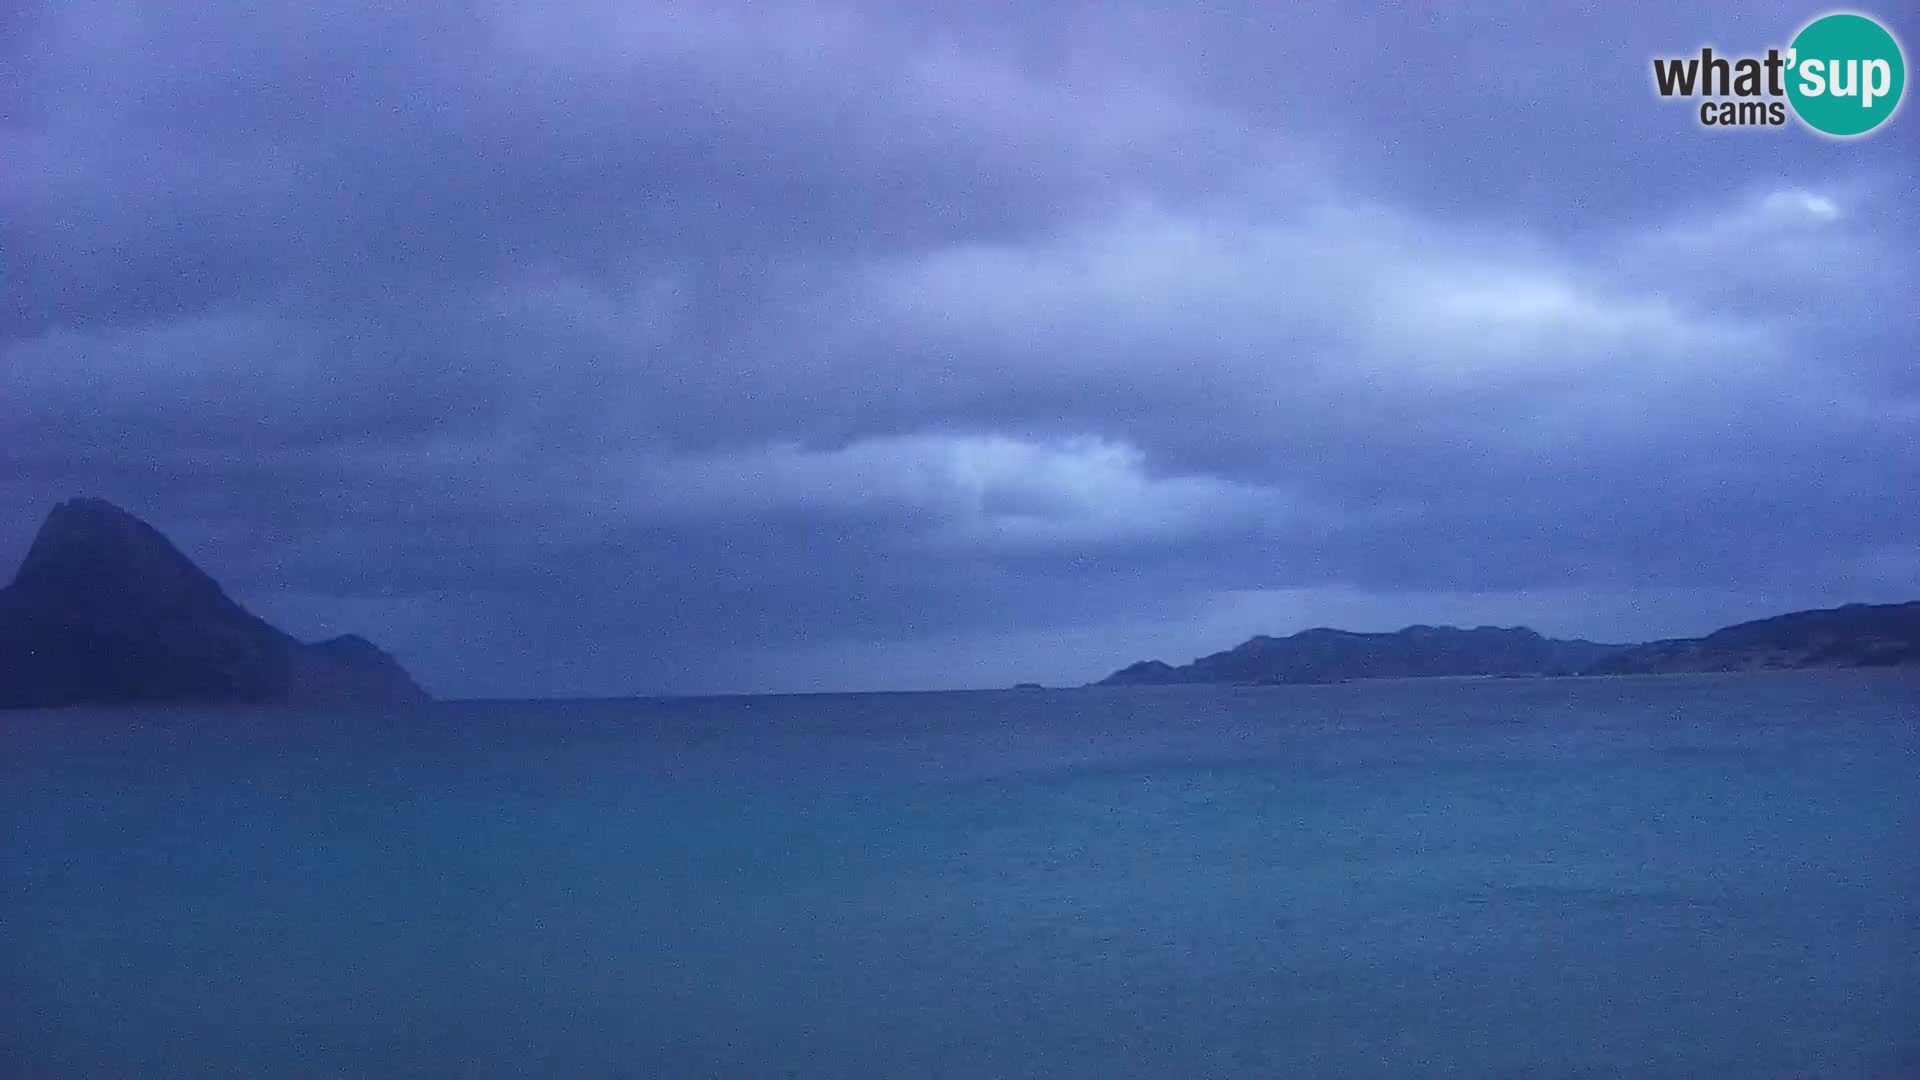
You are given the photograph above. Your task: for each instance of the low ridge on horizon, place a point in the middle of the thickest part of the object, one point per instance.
(1851, 635)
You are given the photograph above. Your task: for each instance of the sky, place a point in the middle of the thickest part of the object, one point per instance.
(610, 348)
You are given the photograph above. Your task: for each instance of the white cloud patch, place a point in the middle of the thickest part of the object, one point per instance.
(1757, 217)
(1481, 318)
(1375, 291)
(1800, 240)
(989, 490)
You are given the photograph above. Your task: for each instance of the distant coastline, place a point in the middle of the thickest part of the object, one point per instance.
(1851, 636)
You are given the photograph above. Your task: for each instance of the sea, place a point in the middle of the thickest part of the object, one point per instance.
(1680, 876)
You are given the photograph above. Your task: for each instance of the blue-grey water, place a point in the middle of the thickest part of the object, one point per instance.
(1714, 876)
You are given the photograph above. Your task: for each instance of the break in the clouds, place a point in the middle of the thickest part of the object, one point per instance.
(615, 348)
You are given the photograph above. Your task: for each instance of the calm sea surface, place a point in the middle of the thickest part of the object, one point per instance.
(1666, 877)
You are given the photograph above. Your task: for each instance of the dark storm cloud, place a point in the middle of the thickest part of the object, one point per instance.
(613, 348)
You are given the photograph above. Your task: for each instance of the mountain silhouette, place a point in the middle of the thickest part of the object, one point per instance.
(105, 610)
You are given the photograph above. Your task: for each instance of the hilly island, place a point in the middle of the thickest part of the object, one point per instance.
(106, 611)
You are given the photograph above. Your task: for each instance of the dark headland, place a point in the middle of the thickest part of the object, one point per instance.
(106, 611)
(1854, 636)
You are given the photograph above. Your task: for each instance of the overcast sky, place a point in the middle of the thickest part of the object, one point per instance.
(600, 348)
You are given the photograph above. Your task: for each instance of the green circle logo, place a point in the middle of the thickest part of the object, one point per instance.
(1845, 74)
